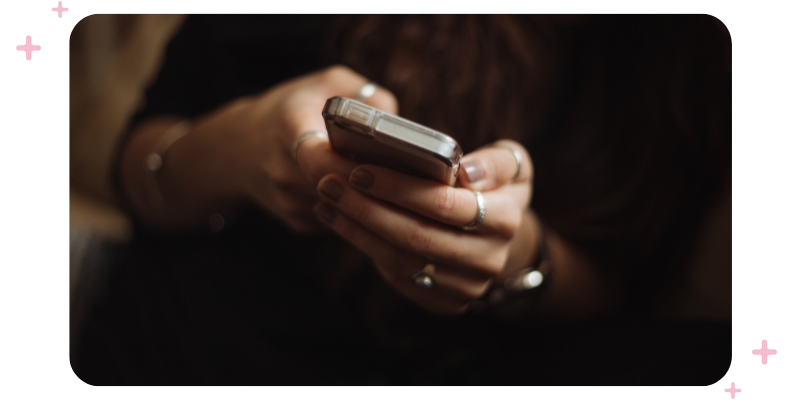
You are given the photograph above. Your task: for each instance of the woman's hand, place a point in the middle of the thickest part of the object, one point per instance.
(404, 223)
(244, 151)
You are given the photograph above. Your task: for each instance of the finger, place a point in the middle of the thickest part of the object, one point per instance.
(452, 206)
(451, 293)
(461, 288)
(306, 117)
(457, 283)
(435, 300)
(484, 254)
(303, 109)
(343, 81)
(383, 100)
(316, 159)
(495, 166)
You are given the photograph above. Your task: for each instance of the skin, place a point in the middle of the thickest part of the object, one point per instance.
(242, 153)
(403, 223)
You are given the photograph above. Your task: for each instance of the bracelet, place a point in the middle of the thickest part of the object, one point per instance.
(527, 282)
(155, 161)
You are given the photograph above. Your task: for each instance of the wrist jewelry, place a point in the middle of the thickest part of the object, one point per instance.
(155, 161)
(527, 282)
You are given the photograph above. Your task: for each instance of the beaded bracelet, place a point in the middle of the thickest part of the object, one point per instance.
(155, 161)
(524, 283)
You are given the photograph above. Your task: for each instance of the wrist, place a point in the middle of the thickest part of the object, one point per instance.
(178, 195)
(523, 251)
(194, 182)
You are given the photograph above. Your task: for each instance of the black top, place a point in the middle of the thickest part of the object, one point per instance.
(257, 304)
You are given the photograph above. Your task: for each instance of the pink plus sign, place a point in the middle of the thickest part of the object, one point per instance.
(764, 352)
(28, 47)
(733, 390)
(60, 9)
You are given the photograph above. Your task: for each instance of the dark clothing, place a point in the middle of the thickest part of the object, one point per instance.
(258, 305)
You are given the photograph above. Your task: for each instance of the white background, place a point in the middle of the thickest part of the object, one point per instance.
(34, 199)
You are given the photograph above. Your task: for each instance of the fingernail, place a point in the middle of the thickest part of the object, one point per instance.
(474, 170)
(362, 178)
(325, 212)
(331, 189)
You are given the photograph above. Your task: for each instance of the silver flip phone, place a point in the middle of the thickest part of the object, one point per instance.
(375, 137)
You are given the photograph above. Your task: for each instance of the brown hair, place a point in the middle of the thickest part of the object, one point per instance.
(627, 118)
(467, 76)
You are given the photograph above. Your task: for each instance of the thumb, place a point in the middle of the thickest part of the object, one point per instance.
(491, 167)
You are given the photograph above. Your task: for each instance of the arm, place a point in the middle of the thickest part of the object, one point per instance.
(242, 153)
(575, 288)
(405, 223)
(189, 188)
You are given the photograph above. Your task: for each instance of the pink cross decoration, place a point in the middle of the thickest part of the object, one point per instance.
(733, 390)
(60, 9)
(764, 352)
(28, 48)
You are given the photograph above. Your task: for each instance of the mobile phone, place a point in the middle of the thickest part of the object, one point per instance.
(375, 137)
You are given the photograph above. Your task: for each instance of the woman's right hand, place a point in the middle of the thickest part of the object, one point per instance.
(244, 150)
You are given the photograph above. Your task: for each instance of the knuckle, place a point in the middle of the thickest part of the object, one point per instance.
(390, 191)
(335, 72)
(362, 212)
(527, 163)
(501, 162)
(444, 201)
(508, 227)
(385, 100)
(418, 238)
(493, 265)
(528, 166)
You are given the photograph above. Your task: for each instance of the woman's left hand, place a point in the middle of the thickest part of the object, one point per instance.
(405, 223)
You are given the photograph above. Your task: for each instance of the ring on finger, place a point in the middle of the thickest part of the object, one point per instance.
(518, 157)
(366, 91)
(424, 279)
(480, 213)
(303, 138)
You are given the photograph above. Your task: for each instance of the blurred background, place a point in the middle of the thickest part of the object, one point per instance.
(112, 60)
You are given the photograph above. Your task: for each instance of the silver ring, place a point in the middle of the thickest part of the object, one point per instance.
(481, 213)
(518, 156)
(305, 136)
(424, 279)
(366, 91)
